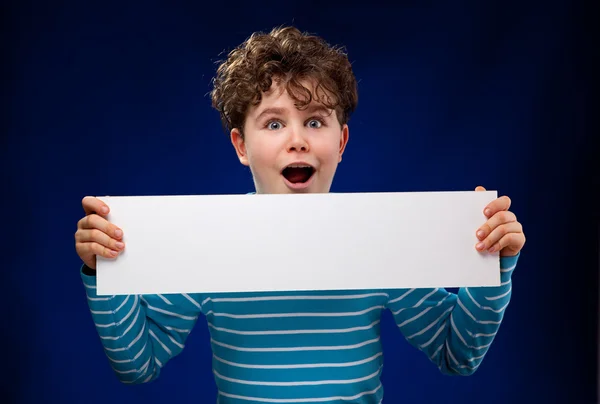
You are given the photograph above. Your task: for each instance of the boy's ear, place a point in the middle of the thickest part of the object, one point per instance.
(343, 140)
(239, 145)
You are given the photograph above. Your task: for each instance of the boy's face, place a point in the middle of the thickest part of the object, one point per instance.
(290, 150)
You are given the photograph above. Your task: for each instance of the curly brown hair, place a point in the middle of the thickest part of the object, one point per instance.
(288, 57)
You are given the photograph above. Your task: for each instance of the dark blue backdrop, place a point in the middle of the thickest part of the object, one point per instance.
(110, 99)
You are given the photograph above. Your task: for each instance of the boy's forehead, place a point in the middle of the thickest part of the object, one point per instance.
(262, 111)
(277, 99)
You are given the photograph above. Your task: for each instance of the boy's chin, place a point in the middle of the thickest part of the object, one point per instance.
(287, 190)
(285, 187)
(300, 191)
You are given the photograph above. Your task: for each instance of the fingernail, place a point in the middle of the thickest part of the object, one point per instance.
(487, 212)
(113, 253)
(492, 248)
(120, 245)
(118, 233)
(479, 246)
(104, 210)
(480, 233)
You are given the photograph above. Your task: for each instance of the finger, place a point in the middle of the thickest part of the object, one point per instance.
(97, 249)
(497, 205)
(498, 234)
(97, 222)
(498, 219)
(510, 244)
(94, 205)
(480, 188)
(98, 236)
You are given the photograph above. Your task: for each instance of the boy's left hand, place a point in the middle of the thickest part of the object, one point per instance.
(502, 232)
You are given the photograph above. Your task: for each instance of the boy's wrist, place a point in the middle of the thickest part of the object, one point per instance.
(88, 271)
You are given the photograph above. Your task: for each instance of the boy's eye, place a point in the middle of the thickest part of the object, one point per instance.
(314, 124)
(274, 125)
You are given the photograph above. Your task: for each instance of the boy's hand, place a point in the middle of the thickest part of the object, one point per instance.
(95, 235)
(502, 232)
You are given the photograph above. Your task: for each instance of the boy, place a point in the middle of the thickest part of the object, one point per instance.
(285, 98)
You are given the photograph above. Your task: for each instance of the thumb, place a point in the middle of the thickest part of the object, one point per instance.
(480, 188)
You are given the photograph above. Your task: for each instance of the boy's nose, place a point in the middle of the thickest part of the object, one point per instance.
(297, 142)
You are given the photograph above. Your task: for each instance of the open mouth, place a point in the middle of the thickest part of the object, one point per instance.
(298, 173)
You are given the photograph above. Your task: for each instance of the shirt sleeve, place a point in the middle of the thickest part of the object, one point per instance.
(141, 333)
(455, 331)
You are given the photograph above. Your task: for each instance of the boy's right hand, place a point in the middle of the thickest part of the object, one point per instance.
(95, 235)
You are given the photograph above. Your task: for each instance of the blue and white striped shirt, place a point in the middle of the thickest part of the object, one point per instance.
(299, 347)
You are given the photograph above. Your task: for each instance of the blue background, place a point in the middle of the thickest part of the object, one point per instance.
(111, 99)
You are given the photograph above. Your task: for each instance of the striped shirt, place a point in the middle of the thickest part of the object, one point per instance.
(299, 347)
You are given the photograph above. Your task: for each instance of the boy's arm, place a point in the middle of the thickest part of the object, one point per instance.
(140, 334)
(455, 331)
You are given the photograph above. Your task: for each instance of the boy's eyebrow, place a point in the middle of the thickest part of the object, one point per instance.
(319, 108)
(274, 111)
(281, 111)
